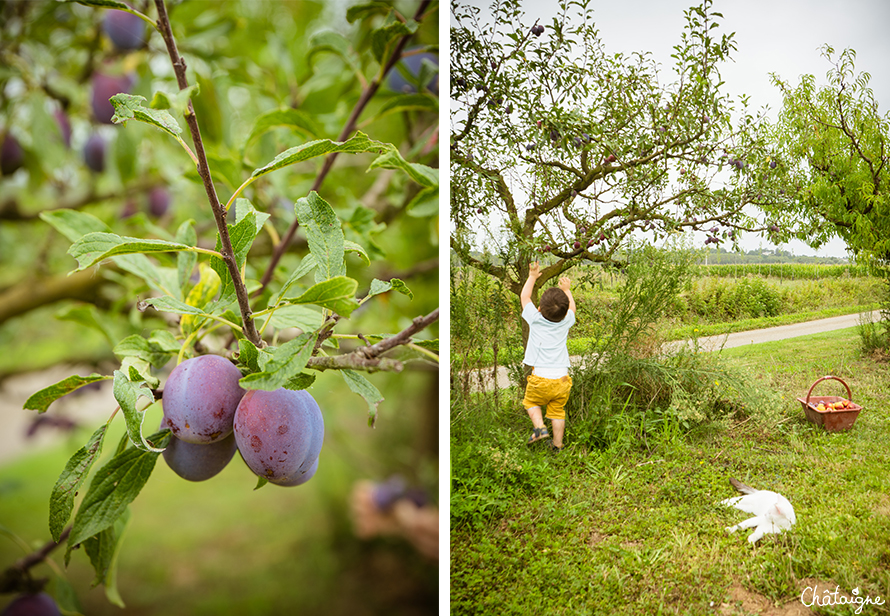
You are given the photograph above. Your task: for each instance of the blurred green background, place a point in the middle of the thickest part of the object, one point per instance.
(216, 547)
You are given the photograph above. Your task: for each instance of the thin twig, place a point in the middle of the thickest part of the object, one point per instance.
(17, 579)
(219, 212)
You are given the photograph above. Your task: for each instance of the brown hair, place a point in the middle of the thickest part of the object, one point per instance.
(554, 304)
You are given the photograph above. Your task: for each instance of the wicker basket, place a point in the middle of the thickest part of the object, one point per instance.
(833, 420)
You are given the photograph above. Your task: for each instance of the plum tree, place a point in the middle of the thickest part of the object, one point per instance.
(279, 434)
(126, 31)
(94, 153)
(104, 87)
(200, 398)
(39, 604)
(12, 157)
(199, 462)
(598, 143)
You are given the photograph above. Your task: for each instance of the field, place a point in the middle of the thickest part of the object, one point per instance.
(631, 523)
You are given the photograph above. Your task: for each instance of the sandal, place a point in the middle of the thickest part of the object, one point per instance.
(554, 448)
(537, 435)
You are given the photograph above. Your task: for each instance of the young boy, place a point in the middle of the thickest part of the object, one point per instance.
(548, 355)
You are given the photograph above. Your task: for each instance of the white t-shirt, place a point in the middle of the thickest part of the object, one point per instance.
(546, 346)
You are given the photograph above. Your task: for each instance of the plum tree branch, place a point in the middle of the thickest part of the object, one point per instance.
(17, 579)
(367, 94)
(219, 212)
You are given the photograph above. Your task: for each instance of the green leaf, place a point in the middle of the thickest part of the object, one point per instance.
(178, 102)
(248, 355)
(302, 317)
(40, 401)
(392, 159)
(360, 11)
(95, 247)
(294, 119)
(382, 286)
(162, 279)
(324, 234)
(337, 294)
(307, 264)
(103, 4)
(261, 481)
(301, 381)
(429, 345)
(129, 107)
(168, 304)
(103, 549)
(200, 295)
(425, 203)
(408, 102)
(61, 501)
(356, 144)
(112, 489)
(287, 361)
(363, 387)
(335, 43)
(350, 246)
(186, 260)
(149, 351)
(127, 392)
(74, 224)
(384, 39)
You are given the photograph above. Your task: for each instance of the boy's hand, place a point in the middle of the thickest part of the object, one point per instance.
(565, 283)
(534, 270)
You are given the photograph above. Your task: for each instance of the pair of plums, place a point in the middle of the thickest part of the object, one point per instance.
(279, 433)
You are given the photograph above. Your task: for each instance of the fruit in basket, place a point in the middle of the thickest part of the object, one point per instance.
(820, 407)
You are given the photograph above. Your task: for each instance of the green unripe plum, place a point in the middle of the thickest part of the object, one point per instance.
(200, 398)
(279, 434)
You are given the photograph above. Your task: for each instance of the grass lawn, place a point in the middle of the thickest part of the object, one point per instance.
(640, 529)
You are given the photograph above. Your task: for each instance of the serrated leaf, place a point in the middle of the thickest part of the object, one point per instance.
(360, 11)
(168, 304)
(363, 387)
(291, 118)
(129, 107)
(40, 401)
(103, 548)
(74, 224)
(248, 355)
(61, 501)
(226, 168)
(95, 247)
(104, 4)
(429, 345)
(350, 246)
(307, 264)
(392, 159)
(382, 286)
(356, 144)
(162, 279)
(287, 361)
(112, 489)
(301, 381)
(384, 39)
(164, 341)
(177, 102)
(337, 294)
(302, 317)
(127, 392)
(324, 234)
(147, 350)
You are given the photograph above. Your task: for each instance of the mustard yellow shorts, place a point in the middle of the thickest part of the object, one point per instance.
(550, 393)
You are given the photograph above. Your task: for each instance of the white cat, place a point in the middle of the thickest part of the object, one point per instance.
(773, 513)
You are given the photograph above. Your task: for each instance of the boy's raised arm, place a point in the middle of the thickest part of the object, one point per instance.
(565, 284)
(534, 272)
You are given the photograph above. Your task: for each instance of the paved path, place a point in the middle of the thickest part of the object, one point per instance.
(726, 341)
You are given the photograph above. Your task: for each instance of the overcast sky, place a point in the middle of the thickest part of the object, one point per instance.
(772, 36)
